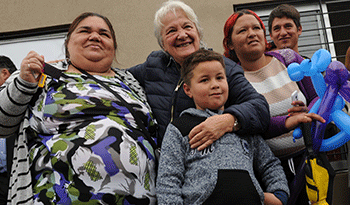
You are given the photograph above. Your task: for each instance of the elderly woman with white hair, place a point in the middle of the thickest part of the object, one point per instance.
(179, 35)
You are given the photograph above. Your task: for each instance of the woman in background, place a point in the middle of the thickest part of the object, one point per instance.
(245, 43)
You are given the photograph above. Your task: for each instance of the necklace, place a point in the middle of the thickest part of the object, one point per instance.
(109, 72)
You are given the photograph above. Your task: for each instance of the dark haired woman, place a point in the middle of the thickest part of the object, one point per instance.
(245, 43)
(77, 141)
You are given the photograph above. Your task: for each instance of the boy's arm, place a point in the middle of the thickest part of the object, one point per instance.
(269, 168)
(271, 199)
(171, 167)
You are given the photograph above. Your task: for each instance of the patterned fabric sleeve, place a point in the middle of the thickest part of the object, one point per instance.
(130, 81)
(126, 77)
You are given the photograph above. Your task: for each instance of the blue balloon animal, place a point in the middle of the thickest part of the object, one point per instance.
(330, 104)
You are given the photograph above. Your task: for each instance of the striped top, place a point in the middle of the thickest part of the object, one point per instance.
(274, 83)
(15, 98)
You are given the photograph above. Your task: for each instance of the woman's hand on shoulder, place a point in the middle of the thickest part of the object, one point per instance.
(31, 67)
(210, 130)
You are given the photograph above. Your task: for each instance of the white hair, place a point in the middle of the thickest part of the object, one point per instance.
(173, 6)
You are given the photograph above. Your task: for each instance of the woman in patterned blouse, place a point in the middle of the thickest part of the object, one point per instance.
(77, 142)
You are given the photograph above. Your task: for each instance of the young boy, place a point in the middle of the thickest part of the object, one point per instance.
(223, 173)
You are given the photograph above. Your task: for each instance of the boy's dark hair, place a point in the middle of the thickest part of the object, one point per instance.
(5, 62)
(284, 10)
(202, 55)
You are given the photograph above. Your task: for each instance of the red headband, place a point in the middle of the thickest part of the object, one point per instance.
(230, 22)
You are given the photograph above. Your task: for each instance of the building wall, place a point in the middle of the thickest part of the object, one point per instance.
(131, 19)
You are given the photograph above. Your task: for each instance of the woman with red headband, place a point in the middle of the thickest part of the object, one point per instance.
(245, 43)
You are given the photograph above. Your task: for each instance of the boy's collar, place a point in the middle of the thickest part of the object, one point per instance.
(218, 112)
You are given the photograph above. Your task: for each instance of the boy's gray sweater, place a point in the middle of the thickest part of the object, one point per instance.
(189, 176)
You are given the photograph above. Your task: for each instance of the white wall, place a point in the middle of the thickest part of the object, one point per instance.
(51, 47)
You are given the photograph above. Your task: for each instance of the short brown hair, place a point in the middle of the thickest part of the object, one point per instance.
(202, 55)
(284, 10)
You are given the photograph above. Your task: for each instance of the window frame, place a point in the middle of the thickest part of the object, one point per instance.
(47, 41)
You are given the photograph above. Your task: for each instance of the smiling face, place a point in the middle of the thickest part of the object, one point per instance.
(208, 87)
(285, 33)
(180, 36)
(248, 38)
(91, 43)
